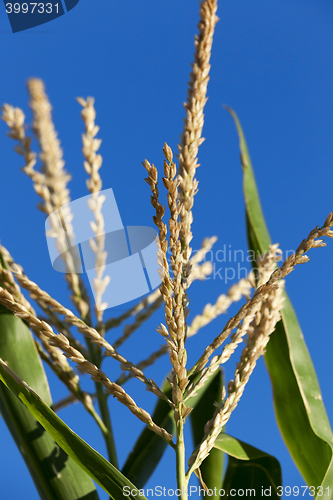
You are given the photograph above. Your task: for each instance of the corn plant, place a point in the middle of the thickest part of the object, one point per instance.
(64, 466)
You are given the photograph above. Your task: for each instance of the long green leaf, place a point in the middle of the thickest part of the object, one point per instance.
(88, 459)
(55, 475)
(212, 467)
(299, 408)
(149, 448)
(249, 469)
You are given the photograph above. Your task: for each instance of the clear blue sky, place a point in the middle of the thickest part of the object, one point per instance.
(271, 62)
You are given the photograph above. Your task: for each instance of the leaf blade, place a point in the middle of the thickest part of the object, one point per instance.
(249, 468)
(94, 464)
(212, 467)
(295, 388)
(149, 448)
(56, 477)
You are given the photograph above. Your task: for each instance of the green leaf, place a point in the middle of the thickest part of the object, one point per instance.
(249, 469)
(55, 475)
(88, 459)
(212, 467)
(149, 448)
(299, 408)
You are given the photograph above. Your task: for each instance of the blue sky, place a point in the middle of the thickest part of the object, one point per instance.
(272, 63)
